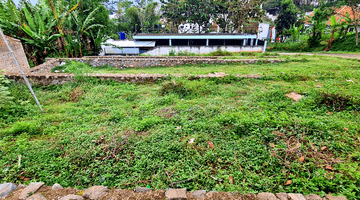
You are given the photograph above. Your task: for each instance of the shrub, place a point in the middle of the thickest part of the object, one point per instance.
(22, 127)
(220, 52)
(174, 87)
(4, 91)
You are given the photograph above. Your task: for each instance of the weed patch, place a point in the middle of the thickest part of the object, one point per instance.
(337, 102)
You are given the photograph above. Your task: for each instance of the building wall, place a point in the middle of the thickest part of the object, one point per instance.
(7, 61)
(165, 50)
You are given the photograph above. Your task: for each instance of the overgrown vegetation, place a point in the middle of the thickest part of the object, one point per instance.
(122, 135)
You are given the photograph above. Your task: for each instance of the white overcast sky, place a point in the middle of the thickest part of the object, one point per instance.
(32, 1)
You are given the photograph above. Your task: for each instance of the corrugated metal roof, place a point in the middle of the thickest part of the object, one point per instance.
(130, 43)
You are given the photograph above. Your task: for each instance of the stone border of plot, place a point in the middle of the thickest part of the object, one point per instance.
(61, 78)
(41, 74)
(142, 62)
(30, 192)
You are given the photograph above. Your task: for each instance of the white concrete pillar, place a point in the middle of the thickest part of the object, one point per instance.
(256, 42)
(207, 42)
(252, 42)
(169, 42)
(265, 46)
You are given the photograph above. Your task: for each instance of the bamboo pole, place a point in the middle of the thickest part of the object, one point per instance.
(21, 71)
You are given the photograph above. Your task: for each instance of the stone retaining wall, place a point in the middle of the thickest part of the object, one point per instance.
(140, 62)
(38, 191)
(61, 78)
(7, 61)
(41, 74)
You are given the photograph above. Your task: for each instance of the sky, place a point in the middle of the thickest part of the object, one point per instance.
(32, 1)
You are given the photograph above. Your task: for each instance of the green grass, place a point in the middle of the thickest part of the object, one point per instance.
(145, 130)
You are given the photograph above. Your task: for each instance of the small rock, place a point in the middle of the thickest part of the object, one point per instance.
(199, 193)
(31, 188)
(72, 197)
(293, 196)
(282, 196)
(36, 197)
(266, 196)
(176, 194)
(21, 186)
(329, 197)
(294, 96)
(95, 192)
(56, 186)
(6, 188)
(313, 197)
(142, 189)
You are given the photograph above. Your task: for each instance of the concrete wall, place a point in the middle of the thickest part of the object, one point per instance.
(7, 61)
(165, 50)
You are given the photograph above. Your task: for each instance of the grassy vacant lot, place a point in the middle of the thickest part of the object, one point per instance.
(124, 135)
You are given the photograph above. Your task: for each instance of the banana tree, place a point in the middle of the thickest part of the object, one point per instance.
(334, 27)
(345, 25)
(60, 12)
(83, 26)
(10, 18)
(39, 28)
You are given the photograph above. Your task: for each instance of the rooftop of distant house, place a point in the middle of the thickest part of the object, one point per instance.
(340, 14)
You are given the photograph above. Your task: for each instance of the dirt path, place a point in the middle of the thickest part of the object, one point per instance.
(327, 54)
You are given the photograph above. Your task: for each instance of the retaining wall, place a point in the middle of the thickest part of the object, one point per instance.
(165, 50)
(140, 62)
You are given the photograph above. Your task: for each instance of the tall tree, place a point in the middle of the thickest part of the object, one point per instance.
(353, 4)
(173, 11)
(287, 16)
(318, 20)
(242, 11)
(199, 12)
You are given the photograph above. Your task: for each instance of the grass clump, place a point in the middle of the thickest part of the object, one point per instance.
(221, 52)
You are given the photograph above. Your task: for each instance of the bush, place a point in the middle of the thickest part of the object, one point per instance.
(346, 44)
(22, 127)
(220, 52)
(4, 93)
(290, 46)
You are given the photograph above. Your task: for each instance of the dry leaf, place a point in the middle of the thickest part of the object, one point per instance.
(301, 159)
(211, 144)
(329, 168)
(231, 179)
(346, 129)
(191, 140)
(179, 127)
(288, 182)
(294, 96)
(323, 148)
(272, 145)
(329, 112)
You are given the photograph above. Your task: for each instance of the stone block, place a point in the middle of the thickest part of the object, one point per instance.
(199, 193)
(142, 189)
(282, 196)
(36, 197)
(30, 189)
(313, 197)
(72, 197)
(176, 194)
(95, 192)
(56, 186)
(266, 196)
(329, 197)
(6, 188)
(293, 196)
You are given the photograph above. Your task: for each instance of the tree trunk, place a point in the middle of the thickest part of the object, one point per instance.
(330, 41)
(357, 33)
